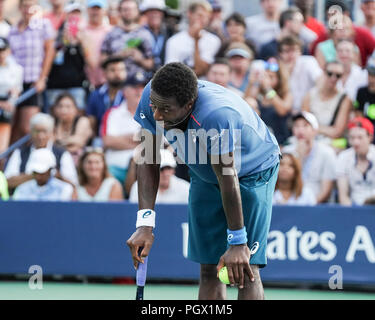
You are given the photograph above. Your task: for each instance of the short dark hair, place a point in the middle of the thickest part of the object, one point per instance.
(289, 41)
(236, 17)
(221, 60)
(111, 60)
(176, 80)
(343, 4)
(287, 15)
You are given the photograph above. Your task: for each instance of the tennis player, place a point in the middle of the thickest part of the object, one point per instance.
(233, 171)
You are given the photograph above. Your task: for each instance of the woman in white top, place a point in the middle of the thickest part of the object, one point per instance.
(330, 105)
(96, 183)
(289, 186)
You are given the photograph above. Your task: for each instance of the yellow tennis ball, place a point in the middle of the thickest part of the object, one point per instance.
(223, 275)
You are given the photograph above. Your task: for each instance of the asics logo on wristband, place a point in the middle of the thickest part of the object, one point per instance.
(147, 214)
(230, 237)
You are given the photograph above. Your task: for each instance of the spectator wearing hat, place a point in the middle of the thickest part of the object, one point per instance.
(355, 167)
(240, 57)
(11, 76)
(264, 27)
(129, 40)
(43, 186)
(67, 73)
(216, 24)
(303, 71)
(291, 24)
(195, 46)
(364, 104)
(235, 27)
(18, 168)
(368, 10)
(110, 93)
(154, 12)
(92, 36)
(5, 25)
(95, 182)
(57, 13)
(318, 160)
(118, 128)
(171, 189)
(32, 45)
(4, 193)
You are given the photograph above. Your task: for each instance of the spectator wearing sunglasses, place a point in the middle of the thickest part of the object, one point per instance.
(269, 86)
(330, 105)
(355, 167)
(95, 181)
(354, 76)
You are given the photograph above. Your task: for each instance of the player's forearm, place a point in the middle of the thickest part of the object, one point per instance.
(231, 197)
(148, 182)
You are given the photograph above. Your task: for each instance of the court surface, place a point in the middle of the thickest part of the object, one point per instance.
(76, 291)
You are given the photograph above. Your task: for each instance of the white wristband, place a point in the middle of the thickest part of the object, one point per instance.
(146, 218)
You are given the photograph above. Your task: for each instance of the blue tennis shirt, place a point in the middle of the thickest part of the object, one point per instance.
(221, 122)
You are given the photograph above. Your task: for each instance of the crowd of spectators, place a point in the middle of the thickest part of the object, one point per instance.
(312, 83)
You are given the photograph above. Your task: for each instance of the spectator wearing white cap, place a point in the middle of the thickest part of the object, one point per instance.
(154, 12)
(92, 36)
(171, 189)
(18, 168)
(195, 46)
(44, 186)
(318, 160)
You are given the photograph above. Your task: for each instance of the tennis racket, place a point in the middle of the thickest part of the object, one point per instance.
(141, 279)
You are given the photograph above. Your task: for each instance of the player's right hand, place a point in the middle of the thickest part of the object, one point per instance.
(140, 244)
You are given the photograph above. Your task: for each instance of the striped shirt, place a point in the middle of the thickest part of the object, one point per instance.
(27, 47)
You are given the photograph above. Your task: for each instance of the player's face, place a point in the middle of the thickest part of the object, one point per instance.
(168, 110)
(360, 140)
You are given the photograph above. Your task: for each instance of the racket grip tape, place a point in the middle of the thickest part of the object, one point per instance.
(142, 273)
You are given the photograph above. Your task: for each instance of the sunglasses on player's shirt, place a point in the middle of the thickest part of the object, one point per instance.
(331, 74)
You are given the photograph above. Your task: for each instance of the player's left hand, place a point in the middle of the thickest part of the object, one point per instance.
(237, 259)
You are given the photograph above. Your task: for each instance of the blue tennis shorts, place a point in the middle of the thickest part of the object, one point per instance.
(207, 221)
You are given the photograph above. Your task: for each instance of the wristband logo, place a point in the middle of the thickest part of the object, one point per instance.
(230, 237)
(147, 214)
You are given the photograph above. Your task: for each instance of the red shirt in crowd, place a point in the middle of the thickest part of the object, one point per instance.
(364, 40)
(316, 26)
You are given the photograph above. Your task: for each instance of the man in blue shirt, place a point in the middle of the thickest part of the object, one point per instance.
(233, 161)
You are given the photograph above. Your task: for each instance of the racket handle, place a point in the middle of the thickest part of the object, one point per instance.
(141, 273)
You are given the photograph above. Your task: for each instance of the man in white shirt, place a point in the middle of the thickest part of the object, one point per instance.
(318, 160)
(118, 128)
(44, 186)
(195, 46)
(264, 27)
(304, 71)
(18, 168)
(171, 189)
(355, 169)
